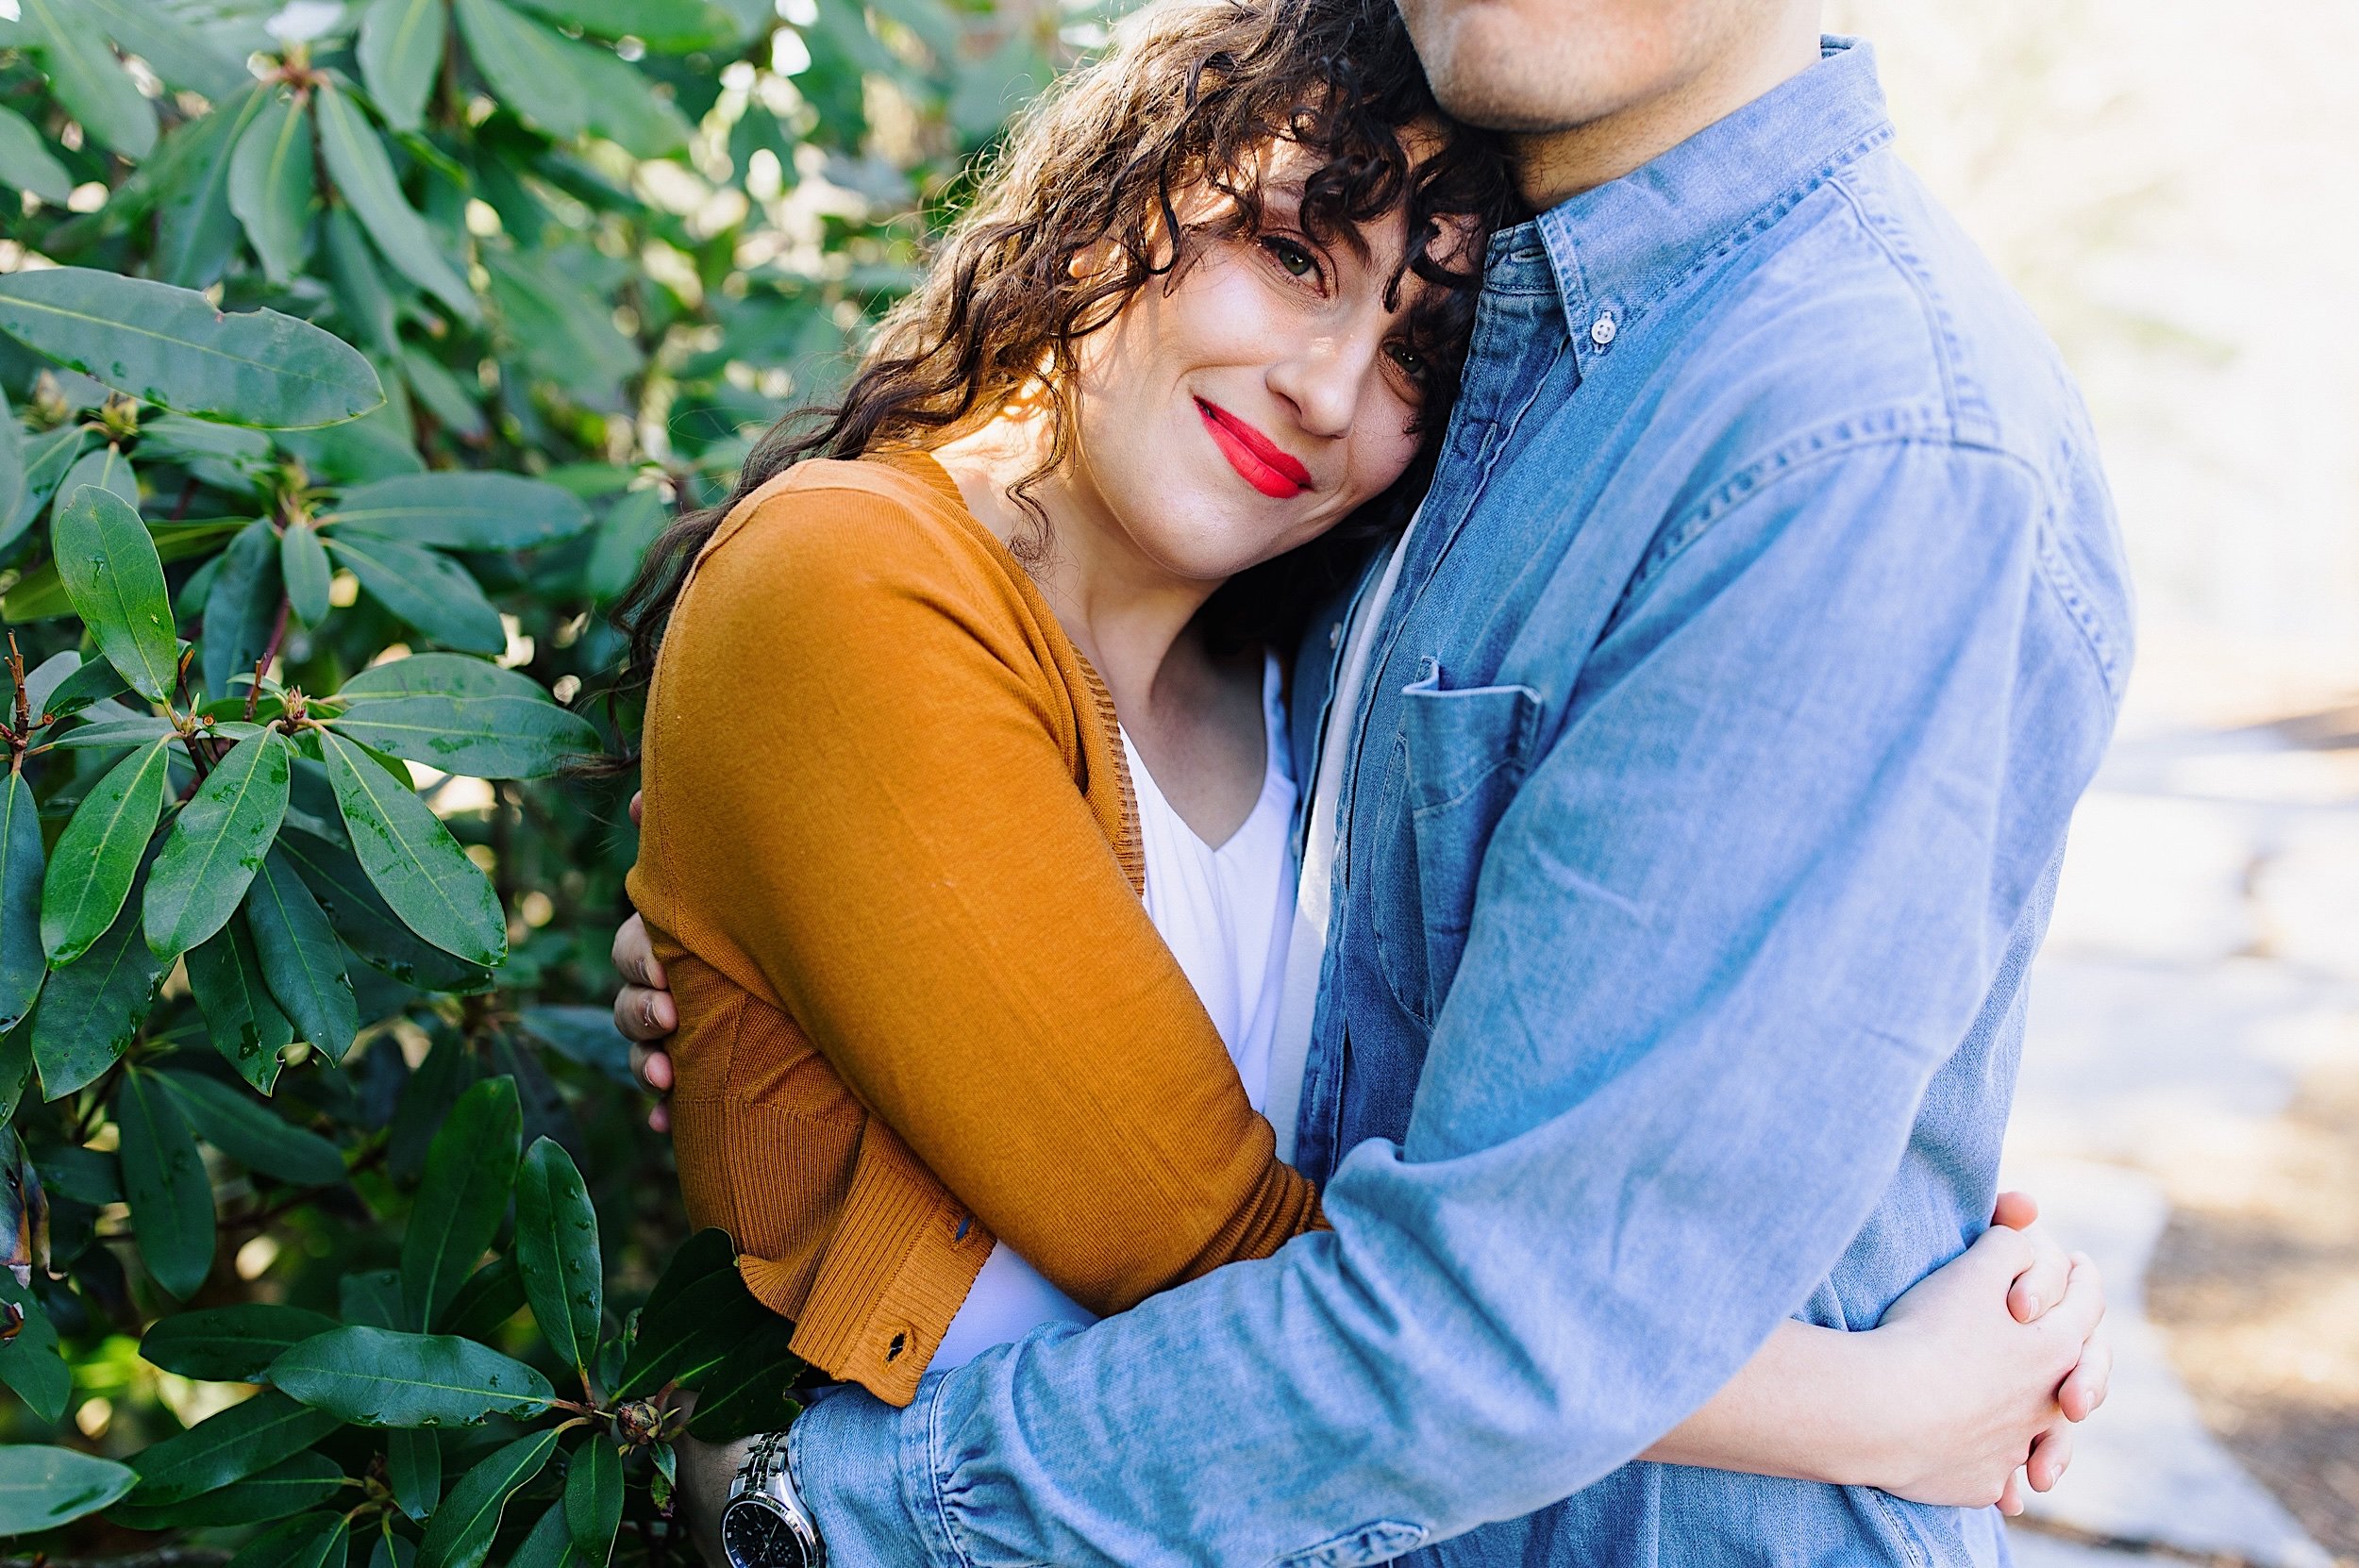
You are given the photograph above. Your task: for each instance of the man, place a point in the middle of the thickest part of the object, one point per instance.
(1685, 815)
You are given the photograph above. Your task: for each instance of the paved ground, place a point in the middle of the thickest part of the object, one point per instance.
(2204, 971)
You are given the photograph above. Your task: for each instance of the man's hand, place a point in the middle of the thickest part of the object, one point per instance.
(644, 1010)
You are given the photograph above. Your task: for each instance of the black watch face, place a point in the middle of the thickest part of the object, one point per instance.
(755, 1535)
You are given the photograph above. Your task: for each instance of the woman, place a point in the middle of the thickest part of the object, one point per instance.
(946, 687)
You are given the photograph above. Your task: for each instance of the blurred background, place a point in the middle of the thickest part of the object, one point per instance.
(2174, 190)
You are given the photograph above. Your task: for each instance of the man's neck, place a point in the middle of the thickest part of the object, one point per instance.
(1553, 165)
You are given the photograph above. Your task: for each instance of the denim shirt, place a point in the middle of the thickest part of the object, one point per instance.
(1764, 621)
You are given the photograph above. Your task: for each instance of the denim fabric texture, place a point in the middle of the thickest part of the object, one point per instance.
(1764, 622)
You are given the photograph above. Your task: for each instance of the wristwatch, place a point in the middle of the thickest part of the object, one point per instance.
(765, 1524)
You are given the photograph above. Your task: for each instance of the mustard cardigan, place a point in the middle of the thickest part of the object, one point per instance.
(891, 859)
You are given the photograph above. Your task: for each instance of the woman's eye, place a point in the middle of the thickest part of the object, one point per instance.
(1297, 259)
(1410, 362)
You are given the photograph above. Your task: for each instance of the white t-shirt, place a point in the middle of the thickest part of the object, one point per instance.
(1227, 913)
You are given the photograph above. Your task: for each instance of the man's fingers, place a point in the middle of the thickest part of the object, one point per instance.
(2015, 1210)
(644, 1015)
(2042, 1285)
(635, 807)
(2085, 1387)
(652, 1068)
(634, 955)
(660, 1117)
(2052, 1455)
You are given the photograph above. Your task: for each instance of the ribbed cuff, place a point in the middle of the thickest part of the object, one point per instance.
(865, 1471)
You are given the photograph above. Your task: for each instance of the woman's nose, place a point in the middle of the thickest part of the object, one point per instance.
(1323, 379)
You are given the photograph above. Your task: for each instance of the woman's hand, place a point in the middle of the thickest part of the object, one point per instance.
(1987, 1362)
(643, 1012)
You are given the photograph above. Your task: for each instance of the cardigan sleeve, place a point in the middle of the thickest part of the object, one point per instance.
(864, 797)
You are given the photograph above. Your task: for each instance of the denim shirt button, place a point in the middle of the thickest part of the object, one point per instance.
(1601, 330)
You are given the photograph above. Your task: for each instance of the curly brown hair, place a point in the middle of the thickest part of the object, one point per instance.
(1191, 93)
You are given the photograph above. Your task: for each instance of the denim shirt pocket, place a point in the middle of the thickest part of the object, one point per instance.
(1459, 757)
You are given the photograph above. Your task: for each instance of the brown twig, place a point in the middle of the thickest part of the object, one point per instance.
(270, 651)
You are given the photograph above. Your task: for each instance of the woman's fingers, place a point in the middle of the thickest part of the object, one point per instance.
(2041, 1285)
(635, 796)
(2011, 1498)
(2051, 1456)
(653, 1069)
(2015, 1210)
(2085, 1387)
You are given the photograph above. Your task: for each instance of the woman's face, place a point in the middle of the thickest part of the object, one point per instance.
(1256, 401)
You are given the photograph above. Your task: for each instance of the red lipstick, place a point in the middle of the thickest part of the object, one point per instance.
(1259, 460)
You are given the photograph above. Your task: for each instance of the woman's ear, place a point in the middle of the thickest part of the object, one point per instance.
(1093, 260)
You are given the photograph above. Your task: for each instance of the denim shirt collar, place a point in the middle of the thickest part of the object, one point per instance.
(1617, 249)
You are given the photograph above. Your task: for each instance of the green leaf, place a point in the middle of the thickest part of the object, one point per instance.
(29, 1363)
(379, 1377)
(241, 607)
(412, 859)
(164, 1182)
(304, 1481)
(751, 1389)
(99, 854)
(16, 1068)
(459, 1534)
(464, 716)
(557, 1252)
(301, 961)
(463, 510)
(445, 398)
(87, 80)
(401, 49)
(583, 1035)
(371, 1297)
(12, 456)
(22, 960)
(255, 1136)
(632, 524)
(47, 460)
(670, 26)
(560, 331)
(593, 1501)
(93, 680)
(244, 1023)
(25, 161)
(106, 468)
(306, 1540)
(413, 1469)
(216, 846)
(361, 297)
(492, 1295)
(547, 1543)
(111, 728)
(178, 53)
(197, 233)
(241, 1440)
(368, 925)
(90, 1011)
(432, 593)
(116, 580)
(229, 1345)
(357, 163)
(169, 345)
(272, 186)
(42, 1487)
(470, 1173)
(303, 563)
(565, 87)
(684, 1337)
